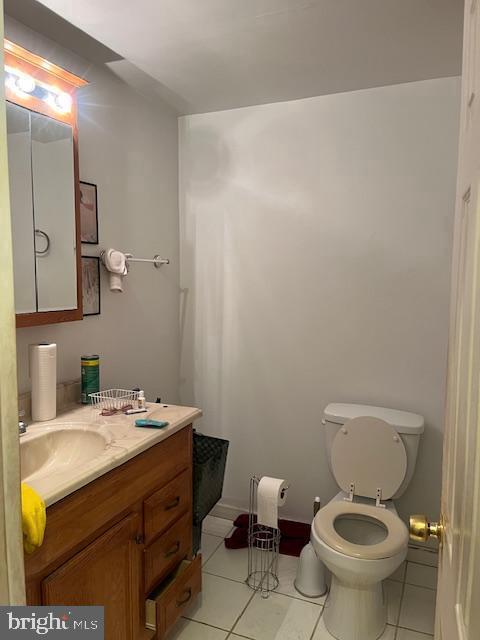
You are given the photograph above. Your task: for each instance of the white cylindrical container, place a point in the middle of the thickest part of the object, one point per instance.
(310, 580)
(43, 375)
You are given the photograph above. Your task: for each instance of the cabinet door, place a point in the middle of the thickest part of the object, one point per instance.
(53, 180)
(107, 573)
(21, 207)
(41, 157)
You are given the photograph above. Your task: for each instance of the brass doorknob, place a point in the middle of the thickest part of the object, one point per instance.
(421, 529)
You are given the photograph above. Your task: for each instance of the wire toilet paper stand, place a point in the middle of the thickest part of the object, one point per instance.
(263, 549)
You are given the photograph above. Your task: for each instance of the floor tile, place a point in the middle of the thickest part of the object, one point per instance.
(220, 602)
(321, 632)
(217, 526)
(394, 596)
(421, 575)
(209, 545)
(287, 571)
(389, 633)
(406, 634)
(233, 564)
(423, 556)
(278, 617)
(399, 575)
(418, 609)
(228, 563)
(189, 630)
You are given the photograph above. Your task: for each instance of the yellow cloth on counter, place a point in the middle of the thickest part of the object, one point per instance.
(34, 518)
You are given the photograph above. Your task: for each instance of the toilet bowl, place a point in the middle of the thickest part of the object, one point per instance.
(358, 535)
(361, 544)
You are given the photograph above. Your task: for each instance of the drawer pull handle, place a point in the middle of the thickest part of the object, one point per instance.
(173, 550)
(174, 503)
(186, 598)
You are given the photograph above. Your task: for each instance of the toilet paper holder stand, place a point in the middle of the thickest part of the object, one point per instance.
(263, 548)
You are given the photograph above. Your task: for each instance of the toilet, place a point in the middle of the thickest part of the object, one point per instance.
(358, 535)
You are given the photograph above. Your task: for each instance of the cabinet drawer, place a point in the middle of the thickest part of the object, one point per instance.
(163, 555)
(166, 605)
(167, 504)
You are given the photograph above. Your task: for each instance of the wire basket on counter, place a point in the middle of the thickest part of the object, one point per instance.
(113, 401)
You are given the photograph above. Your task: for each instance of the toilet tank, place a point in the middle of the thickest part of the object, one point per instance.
(409, 427)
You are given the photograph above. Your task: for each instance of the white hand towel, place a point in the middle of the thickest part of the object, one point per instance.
(116, 263)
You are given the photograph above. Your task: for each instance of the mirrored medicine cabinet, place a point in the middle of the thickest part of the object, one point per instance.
(44, 188)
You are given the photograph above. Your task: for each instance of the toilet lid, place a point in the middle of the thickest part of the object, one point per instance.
(369, 453)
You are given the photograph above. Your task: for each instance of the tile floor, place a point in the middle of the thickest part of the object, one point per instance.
(227, 608)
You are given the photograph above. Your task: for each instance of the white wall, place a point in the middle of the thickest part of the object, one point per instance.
(315, 259)
(128, 147)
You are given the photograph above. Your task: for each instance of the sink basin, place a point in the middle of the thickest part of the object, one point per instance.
(60, 447)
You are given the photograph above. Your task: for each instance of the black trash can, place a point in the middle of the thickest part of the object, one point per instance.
(209, 460)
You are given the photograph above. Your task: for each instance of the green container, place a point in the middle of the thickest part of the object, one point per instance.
(90, 377)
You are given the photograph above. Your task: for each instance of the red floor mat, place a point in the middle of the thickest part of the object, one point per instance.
(294, 535)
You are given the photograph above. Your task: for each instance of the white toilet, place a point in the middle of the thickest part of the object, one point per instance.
(372, 453)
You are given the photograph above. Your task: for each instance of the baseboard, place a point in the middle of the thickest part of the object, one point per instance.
(229, 512)
(421, 554)
(226, 511)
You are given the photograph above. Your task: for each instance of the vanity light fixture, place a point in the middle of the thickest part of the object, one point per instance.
(23, 85)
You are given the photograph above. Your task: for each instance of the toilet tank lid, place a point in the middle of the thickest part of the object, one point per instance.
(403, 421)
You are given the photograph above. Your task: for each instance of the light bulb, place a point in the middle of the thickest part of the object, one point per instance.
(21, 89)
(25, 83)
(63, 102)
(10, 82)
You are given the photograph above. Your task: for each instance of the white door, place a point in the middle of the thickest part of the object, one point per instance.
(458, 599)
(12, 580)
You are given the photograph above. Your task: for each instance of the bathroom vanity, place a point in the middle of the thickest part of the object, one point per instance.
(123, 538)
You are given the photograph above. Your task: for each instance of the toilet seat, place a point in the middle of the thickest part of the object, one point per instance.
(324, 527)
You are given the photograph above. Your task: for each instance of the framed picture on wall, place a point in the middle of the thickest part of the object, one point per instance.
(91, 285)
(88, 213)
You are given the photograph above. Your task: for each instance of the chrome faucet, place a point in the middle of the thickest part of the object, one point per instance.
(22, 425)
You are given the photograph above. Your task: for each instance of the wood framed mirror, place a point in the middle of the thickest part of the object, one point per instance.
(42, 140)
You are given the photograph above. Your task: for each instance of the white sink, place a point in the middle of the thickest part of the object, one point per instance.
(59, 448)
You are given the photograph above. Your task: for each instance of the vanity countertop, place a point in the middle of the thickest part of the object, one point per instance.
(63, 473)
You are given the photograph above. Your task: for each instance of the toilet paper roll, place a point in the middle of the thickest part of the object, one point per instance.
(43, 374)
(116, 282)
(271, 494)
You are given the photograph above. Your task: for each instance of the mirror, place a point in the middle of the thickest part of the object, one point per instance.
(21, 206)
(42, 202)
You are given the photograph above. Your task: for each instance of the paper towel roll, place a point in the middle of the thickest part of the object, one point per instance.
(271, 494)
(43, 374)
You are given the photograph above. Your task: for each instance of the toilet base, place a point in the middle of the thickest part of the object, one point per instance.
(355, 612)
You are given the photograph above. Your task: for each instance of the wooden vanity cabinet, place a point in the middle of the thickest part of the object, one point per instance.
(105, 572)
(124, 541)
